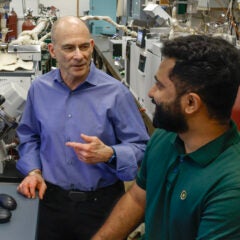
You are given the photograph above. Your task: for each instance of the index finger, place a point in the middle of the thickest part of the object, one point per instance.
(76, 145)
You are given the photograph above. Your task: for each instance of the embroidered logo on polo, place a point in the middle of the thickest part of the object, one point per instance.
(183, 195)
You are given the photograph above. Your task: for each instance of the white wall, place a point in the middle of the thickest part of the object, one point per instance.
(18, 6)
(66, 7)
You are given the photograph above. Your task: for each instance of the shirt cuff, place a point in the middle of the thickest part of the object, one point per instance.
(112, 162)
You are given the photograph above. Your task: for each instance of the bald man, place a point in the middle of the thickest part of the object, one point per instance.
(81, 135)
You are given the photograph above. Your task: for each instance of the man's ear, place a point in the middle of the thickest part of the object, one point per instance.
(192, 103)
(51, 50)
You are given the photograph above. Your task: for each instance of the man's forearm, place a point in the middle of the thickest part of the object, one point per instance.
(125, 217)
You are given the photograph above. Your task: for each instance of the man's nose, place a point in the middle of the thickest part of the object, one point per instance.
(77, 52)
(151, 91)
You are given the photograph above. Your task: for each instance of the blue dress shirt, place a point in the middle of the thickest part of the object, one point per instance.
(101, 106)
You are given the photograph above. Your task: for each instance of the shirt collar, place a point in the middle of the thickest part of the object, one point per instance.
(211, 150)
(90, 80)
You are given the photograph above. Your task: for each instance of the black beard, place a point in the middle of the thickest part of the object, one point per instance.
(170, 117)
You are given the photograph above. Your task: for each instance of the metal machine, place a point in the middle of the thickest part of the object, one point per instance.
(14, 86)
(170, 20)
(12, 101)
(141, 66)
(102, 7)
(153, 59)
(20, 64)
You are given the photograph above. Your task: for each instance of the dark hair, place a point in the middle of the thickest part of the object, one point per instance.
(208, 66)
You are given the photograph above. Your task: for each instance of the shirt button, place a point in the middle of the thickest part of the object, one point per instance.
(69, 115)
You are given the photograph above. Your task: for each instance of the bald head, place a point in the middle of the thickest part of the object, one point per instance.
(66, 23)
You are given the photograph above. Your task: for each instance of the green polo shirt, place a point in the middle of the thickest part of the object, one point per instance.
(192, 196)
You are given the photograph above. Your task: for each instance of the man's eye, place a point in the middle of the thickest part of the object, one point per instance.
(68, 48)
(84, 47)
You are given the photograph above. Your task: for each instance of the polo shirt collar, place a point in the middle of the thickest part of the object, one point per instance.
(211, 150)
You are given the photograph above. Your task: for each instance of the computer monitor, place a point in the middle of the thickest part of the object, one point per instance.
(141, 33)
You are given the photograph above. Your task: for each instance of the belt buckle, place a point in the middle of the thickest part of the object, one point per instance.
(78, 196)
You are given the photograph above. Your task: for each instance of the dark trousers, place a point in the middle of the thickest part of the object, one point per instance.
(65, 215)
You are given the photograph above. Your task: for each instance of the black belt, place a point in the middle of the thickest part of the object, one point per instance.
(82, 196)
